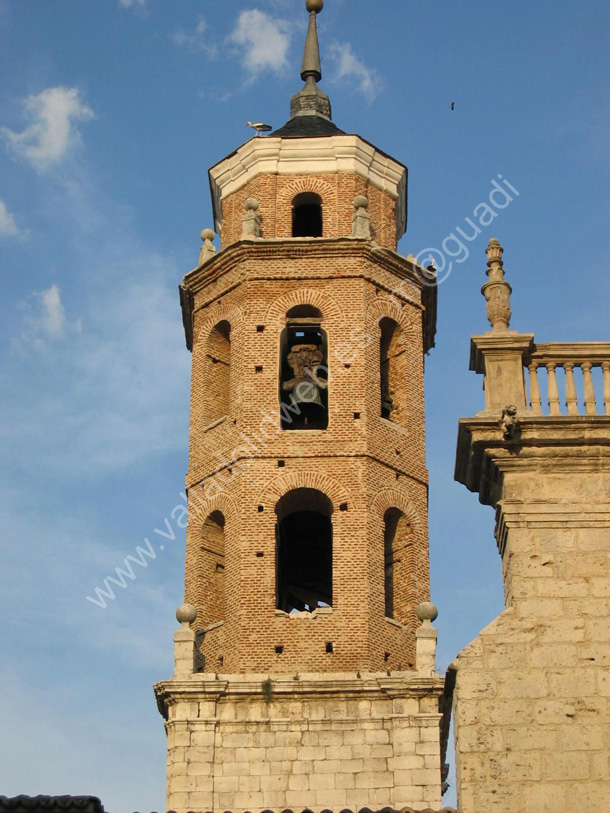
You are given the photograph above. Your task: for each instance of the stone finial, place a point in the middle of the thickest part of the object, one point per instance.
(427, 612)
(251, 221)
(497, 291)
(184, 642)
(186, 614)
(208, 249)
(361, 219)
(425, 640)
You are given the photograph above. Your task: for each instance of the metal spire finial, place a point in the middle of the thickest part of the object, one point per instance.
(311, 101)
(311, 55)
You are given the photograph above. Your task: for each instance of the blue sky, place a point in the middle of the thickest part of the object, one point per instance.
(111, 111)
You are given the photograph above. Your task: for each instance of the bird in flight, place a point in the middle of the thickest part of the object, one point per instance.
(259, 127)
(453, 105)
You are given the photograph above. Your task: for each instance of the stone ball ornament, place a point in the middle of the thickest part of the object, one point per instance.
(251, 205)
(427, 611)
(207, 234)
(314, 5)
(186, 613)
(361, 202)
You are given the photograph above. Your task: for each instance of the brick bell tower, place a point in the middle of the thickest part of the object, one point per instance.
(304, 673)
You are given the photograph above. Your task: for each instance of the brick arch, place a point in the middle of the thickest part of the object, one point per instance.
(282, 484)
(313, 183)
(390, 498)
(219, 313)
(220, 502)
(331, 310)
(383, 306)
(288, 190)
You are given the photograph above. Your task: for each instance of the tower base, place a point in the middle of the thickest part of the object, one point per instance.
(312, 741)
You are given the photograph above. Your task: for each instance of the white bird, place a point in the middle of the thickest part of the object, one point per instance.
(259, 127)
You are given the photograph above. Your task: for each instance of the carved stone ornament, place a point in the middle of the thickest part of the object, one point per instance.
(509, 422)
(497, 291)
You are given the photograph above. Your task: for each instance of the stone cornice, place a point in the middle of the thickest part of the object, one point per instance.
(295, 248)
(204, 686)
(297, 156)
(568, 444)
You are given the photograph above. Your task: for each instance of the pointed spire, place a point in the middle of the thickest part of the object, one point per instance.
(311, 101)
(311, 55)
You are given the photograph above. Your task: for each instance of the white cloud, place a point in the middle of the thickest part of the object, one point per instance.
(8, 227)
(53, 316)
(128, 3)
(195, 40)
(263, 39)
(53, 133)
(366, 80)
(45, 320)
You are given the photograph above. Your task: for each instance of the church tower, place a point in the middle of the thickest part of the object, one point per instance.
(304, 673)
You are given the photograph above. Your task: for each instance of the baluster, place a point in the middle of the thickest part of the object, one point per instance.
(553, 391)
(535, 400)
(590, 405)
(606, 369)
(571, 399)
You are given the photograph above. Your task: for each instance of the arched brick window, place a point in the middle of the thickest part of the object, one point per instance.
(304, 551)
(307, 215)
(393, 372)
(397, 537)
(217, 378)
(303, 384)
(212, 568)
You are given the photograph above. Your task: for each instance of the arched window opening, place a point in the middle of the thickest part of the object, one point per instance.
(304, 312)
(212, 550)
(397, 538)
(218, 372)
(304, 551)
(393, 360)
(303, 386)
(307, 215)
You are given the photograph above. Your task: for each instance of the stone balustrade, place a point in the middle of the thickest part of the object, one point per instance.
(578, 390)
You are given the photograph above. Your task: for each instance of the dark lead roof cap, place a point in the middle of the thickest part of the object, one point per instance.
(307, 127)
(51, 804)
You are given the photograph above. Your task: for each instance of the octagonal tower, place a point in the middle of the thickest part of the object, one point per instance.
(306, 680)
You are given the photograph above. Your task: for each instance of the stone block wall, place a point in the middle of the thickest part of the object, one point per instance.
(532, 696)
(319, 742)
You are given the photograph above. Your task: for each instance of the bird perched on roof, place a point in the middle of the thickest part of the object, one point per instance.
(259, 127)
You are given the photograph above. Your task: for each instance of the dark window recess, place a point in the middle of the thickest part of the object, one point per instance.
(329, 647)
(304, 551)
(279, 650)
(307, 215)
(260, 328)
(393, 360)
(280, 464)
(304, 377)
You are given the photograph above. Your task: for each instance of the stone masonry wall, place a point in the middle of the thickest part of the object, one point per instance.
(310, 744)
(532, 697)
